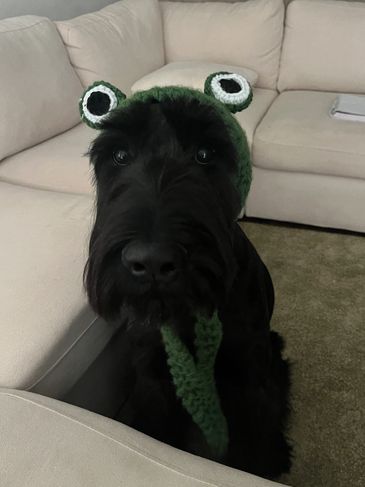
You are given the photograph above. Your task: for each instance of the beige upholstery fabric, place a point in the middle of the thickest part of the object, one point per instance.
(250, 118)
(242, 34)
(189, 73)
(49, 335)
(57, 164)
(312, 199)
(118, 44)
(298, 134)
(48, 443)
(39, 89)
(324, 46)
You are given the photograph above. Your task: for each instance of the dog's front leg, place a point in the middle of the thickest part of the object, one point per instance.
(246, 315)
(252, 377)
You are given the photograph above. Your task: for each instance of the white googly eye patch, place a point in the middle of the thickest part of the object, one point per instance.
(229, 88)
(98, 101)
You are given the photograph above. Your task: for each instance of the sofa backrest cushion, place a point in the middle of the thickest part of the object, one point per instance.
(39, 89)
(191, 74)
(119, 44)
(324, 46)
(246, 34)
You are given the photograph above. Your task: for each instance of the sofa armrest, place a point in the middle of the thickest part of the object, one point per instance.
(48, 441)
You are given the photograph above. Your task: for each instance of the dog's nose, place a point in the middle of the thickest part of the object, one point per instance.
(151, 261)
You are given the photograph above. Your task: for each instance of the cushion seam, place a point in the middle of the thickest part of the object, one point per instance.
(342, 4)
(319, 149)
(302, 171)
(126, 445)
(79, 24)
(43, 21)
(306, 173)
(33, 186)
(63, 355)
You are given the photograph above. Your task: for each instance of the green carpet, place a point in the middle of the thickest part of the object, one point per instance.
(319, 279)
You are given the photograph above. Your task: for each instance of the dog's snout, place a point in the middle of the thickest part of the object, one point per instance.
(151, 261)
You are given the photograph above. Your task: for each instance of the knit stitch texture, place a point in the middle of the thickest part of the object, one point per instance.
(194, 379)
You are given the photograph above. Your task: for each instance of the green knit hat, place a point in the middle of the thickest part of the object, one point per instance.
(226, 93)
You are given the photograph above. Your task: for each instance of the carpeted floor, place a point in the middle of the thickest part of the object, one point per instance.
(319, 279)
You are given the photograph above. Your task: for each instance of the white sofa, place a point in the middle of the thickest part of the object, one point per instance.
(308, 168)
(46, 443)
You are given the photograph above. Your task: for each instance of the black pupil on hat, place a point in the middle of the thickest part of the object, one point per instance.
(230, 85)
(98, 103)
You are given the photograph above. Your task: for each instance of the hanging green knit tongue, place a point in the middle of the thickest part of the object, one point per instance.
(194, 379)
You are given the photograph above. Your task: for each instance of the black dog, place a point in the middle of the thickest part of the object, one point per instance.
(165, 242)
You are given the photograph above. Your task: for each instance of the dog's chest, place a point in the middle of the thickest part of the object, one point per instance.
(149, 363)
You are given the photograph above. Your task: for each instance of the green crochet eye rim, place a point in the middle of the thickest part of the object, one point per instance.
(98, 101)
(232, 89)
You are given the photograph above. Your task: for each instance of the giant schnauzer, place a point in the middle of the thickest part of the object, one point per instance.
(165, 244)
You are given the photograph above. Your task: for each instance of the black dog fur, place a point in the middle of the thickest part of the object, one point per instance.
(164, 176)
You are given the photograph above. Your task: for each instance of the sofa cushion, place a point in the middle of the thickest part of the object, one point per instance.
(39, 89)
(323, 46)
(310, 199)
(58, 164)
(189, 73)
(242, 34)
(49, 443)
(118, 44)
(251, 116)
(298, 134)
(49, 335)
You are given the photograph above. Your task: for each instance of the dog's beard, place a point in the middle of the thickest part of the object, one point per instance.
(155, 311)
(202, 232)
(199, 288)
(164, 196)
(154, 306)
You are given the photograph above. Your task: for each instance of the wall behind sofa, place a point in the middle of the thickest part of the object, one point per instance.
(61, 9)
(54, 9)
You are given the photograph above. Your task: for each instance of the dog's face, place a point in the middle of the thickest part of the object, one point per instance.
(166, 205)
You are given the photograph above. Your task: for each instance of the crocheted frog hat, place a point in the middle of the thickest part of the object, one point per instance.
(226, 93)
(193, 377)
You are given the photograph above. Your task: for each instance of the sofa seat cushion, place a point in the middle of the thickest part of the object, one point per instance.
(49, 335)
(189, 73)
(52, 443)
(57, 164)
(119, 43)
(310, 199)
(298, 134)
(39, 89)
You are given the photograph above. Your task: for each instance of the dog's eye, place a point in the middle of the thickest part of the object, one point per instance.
(204, 156)
(120, 157)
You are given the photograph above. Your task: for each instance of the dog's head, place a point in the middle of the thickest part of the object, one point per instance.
(171, 170)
